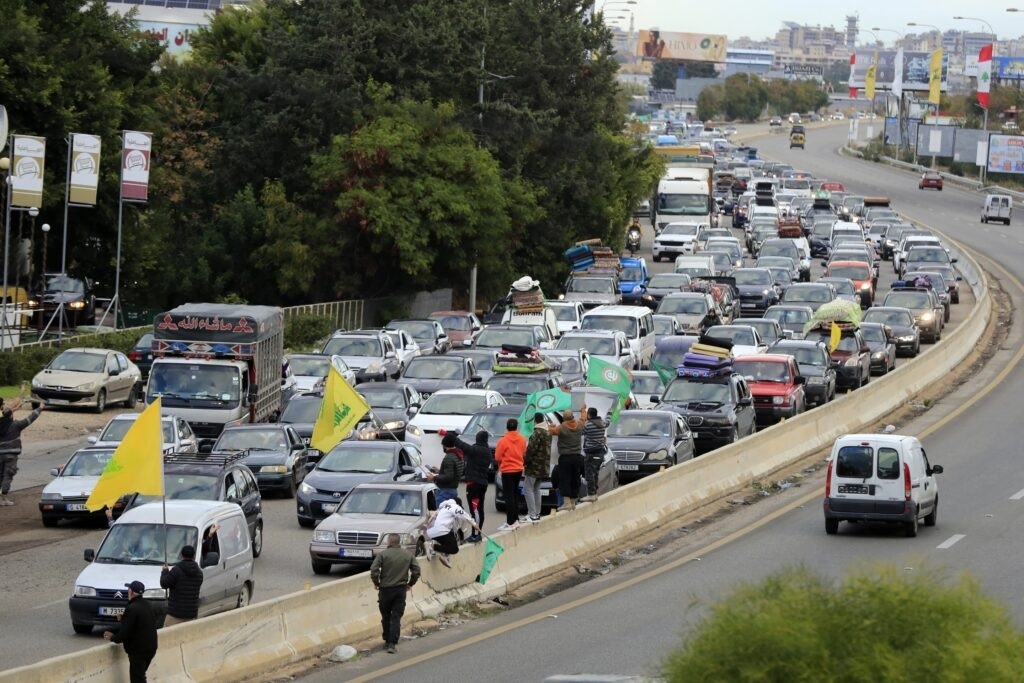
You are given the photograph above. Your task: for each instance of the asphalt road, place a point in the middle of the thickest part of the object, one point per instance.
(627, 621)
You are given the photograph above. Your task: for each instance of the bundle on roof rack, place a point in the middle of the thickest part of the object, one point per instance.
(514, 358)
(845, 314)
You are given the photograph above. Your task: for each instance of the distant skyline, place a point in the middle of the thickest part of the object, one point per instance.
(760, 20)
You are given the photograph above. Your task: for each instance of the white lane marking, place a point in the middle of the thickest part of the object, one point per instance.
(1018, 495)
(949, 542)
(50, 604)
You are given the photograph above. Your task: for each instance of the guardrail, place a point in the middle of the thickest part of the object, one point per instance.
(256, 639)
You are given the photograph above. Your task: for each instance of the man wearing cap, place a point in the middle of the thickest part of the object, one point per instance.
(182, 582)
(137, 632)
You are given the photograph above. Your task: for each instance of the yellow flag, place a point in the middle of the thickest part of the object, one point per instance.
(833, 338)
(935, 77)
(137, 466)
(869, 78)
(340, 410)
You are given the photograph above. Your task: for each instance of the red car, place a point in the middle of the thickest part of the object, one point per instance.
(930, 179)
(775, 383)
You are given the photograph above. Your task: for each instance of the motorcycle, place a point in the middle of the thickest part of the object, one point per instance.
(633, 239)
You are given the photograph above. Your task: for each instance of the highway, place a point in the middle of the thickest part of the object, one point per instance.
(626, 621)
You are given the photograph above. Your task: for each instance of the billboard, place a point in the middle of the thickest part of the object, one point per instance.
(85, 169)
(175, 37)
(136, 151)
(915, 69)
(27, 164)
(697, 47)
(1009, 68)
(803, 70)
(1005, 153)
(935, 140)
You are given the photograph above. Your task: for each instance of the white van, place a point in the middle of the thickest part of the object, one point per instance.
(636, 322)
(880, 478)
(696, 266)
(998, 207)
(133, 550)
(544, 317)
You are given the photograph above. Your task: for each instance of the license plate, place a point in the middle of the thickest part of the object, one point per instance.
(59, 402)
(75, 507)
(699, 435)
(111, 611)
(329, 508)
(853, 488)
(353, 552)
(629, 468)
(750, 305)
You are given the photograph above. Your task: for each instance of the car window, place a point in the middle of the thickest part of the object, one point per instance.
(112, 363)
(888, 463)
(231, 490)
(232, 536)
(854, 462)
(122, 362)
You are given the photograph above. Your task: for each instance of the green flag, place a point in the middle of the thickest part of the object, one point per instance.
(547, 401)
(492, 551)
(666, 373)
(609, 376)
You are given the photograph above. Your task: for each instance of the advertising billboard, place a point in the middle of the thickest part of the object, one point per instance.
(85, 169)
(27, 164)
(1008, 68)
(135, 157)
(698, 47)
(1005, 153)
(915, 70)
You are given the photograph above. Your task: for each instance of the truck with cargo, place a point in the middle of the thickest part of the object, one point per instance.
(685, 194)
(218, 365)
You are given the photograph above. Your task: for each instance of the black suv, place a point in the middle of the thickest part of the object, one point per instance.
(815, 365)
(76, 294)
(209, 476)
(718, 410)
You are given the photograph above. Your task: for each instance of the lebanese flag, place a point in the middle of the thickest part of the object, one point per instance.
(984, 75)
(853, 60)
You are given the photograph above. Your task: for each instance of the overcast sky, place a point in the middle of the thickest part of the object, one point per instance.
(760, 19)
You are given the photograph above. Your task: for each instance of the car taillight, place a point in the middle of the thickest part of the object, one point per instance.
(134, 355)
(828, 479)
(906, 481)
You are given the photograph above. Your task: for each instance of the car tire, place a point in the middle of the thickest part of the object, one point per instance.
(82, 629)
(910, 528)
(319, 567)
(831, 527)
(945, 316)
(736, 434)
(244, 596)
(867, 377)
(257, 540)
(983, 220)
(306, 523)
(50, 522)
(289, 490)
(133, 398)
(932, 517)
(101, 401)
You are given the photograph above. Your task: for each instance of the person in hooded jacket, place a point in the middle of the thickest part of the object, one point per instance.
(570, 456)
(10, 446)
(183, 582)
(453, 467)
(478, 460)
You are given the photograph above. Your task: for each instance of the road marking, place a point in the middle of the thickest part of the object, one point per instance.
(951, 541)
(51, 604)
(1018, 495)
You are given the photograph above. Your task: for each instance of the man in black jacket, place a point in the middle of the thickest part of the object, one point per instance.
(183, 582)
(10, 447)
(137, 633)
(453, 466)
(478, 459)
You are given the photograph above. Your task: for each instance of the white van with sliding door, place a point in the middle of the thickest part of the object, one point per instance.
(998, 207)
(636, 322)
(880, 478)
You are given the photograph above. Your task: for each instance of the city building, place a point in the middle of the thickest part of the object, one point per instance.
(172, 22)
(748, 61)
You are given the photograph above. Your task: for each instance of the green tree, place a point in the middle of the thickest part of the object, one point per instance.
(745, 97)
(710, 102)
(665, 72)
(879, 624)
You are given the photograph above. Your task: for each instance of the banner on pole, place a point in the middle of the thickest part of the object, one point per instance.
(136, 152)
(27, 161)
(935, 77)
(85, 169)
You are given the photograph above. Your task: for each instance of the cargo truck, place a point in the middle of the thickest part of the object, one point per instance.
(218, 365)
(684, 193)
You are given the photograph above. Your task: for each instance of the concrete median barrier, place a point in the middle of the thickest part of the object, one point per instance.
(266, 635)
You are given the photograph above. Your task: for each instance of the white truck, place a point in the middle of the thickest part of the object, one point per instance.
(685, 196)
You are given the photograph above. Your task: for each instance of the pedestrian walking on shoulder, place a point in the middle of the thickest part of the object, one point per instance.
(10, 446)
(509, 454)
(595, 444)
(136, 633)
(442, 527)
(536, 467)
(570, 457)
(182, 582)
(478, 467)
(393, 572)
(453, 467)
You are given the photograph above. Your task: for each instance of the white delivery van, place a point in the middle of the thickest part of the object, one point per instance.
(880, 478)
(544, 317)
(636, 322)
(998, 207)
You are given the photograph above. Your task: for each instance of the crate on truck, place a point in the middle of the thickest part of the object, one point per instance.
(217, 365)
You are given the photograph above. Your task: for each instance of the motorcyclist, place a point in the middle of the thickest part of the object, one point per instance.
(633, 235)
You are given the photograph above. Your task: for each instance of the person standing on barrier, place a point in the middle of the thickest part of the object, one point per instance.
(394, 572)
(453, 466)
(10, 445)
(509, 453)
(183, 582)
(478, 466)
(535, 466)
(570, 457)
(595, 445)
(137, 632)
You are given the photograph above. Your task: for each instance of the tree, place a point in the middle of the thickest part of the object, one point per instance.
(745, 97)
(796, 626)
(665, 72)
(710, 102)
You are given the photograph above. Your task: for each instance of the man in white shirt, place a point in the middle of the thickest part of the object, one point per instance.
(441, 530)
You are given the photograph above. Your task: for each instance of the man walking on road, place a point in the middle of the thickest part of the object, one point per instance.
(394, 572)
(536, 466)
(570, 457)
(10, 447)
(595, 444)
(183, 582)
(509, 453)
(137, 632)
(478, 465)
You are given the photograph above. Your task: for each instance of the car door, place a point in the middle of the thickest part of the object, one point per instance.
(127, 379)
(298, 452)
(683, 440)
(410, 463)
(212, 592)
(887, 481)
(744, 402)
(236, 560)
(114, 380)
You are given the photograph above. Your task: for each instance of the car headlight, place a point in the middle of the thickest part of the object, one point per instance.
(393, 426)
(404, 539)
(927, 316)
(155, 594)
(36, 382)
(323, 536)
(658, 455)
(274, 469)
(374, 367)
(51, 496)
(85, 592)
(878, 355)
(306, 489)
(32, 303)
(866, 286)
(778, 400)
(815, 380)
(852, 362)
(77, 306)
(907, 338)
(413, 430)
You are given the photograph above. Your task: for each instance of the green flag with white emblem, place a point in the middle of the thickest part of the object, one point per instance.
(547, 401)
(609, 376)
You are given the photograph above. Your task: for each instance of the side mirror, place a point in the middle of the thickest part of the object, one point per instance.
(89, 555)
(407, 469)
(92, 439)
(787, 334)
(655, 398)
(936, 469)
(799, 379)
(206, 445)
(55, 472)
(413, 409)
(115, 372)
(746, 401)
(953, 260)
(476, 379)
(309, 466)
(389, 354)
(824, 264)
(544, 345)
(865, 349)
(210, 559)
(959, 278)
(233, 499)
(467, 342)
(297, 446)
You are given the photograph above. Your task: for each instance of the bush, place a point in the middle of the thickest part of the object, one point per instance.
(876, 625)
(302, 332)
(22, 365)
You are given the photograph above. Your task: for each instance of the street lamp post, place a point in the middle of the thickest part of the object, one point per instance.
(46, 231)
(616, 2)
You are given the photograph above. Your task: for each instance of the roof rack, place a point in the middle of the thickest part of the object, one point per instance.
(219, 458)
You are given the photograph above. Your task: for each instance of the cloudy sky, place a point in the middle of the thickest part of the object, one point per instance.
(761, 19)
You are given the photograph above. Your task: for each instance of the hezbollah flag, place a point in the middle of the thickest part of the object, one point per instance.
(340, 410)
(492, 551)
(869, 79)
(609, 376)
(547, 401)
(665, 373)
(935, 77)
(137, 466)
(834, 337)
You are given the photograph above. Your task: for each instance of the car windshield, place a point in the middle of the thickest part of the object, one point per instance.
(306, 366)
(765, 328)
(565, 314)
(144, 543)
(78, 361)
(781, 276)
(618, 323)
(873, 334)
(346, 458)
(668, 281)
(641, 425)
(598, 346)
(812, 294)
(764, 260)
(417, 329)
(435, 368)
(511, 384)
(843, 285)
(737, 335)
(680, 390)
(86, 464)
(749, 276)
(813, 356)
(461, 323)
(683, 204)
(694, 271)
(664, 326)
(389, 397)
(61, 283)
(255, 439)
(301, 410)
(683, 305)
(453, 404)
(789, 250)
(195, 384)
(822, 229)
(680, 229)
(890, 318)
(762, 371)
(382, 502)
(492, 423)
(850, 272)
(908, 300)
(645, 385)
(353, 346)
(185, 487)
(631, 274)
(491, 338)
(591, 285)
(919, 255)
(117, 428)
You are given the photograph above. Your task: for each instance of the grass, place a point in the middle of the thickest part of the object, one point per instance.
(10, 391)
